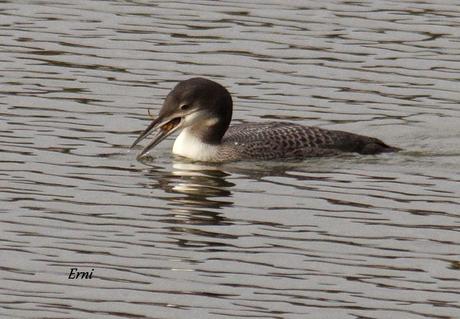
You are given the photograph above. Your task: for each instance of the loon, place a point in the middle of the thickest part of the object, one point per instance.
(202, 110)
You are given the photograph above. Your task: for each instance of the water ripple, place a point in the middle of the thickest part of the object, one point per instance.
(348, 237)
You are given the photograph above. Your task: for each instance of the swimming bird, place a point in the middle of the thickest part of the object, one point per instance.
(202, 110)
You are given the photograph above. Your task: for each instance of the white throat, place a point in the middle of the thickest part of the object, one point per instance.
(189, 145)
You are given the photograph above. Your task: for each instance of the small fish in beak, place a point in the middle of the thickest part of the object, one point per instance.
(162, 129)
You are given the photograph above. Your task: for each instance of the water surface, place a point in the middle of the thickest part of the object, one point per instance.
(346, 237)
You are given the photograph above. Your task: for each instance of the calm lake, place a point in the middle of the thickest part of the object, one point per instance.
(344, 237)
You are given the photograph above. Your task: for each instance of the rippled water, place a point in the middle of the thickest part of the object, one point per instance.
(346, 237)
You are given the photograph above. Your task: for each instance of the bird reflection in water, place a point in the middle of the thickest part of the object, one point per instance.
(199, 192)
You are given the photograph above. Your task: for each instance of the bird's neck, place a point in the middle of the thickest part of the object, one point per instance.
(193, 146)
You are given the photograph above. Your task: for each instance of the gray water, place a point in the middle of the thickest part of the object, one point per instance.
(345, 237)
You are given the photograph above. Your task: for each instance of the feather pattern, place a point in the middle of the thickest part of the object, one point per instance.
(280, 140)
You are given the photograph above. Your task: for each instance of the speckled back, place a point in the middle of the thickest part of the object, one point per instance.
(280, 140)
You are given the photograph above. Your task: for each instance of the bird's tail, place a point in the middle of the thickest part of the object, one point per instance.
(376, 146)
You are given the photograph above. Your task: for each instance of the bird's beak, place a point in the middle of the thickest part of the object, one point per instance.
(162, 128)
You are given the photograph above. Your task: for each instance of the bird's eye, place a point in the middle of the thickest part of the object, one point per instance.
(185, 107)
